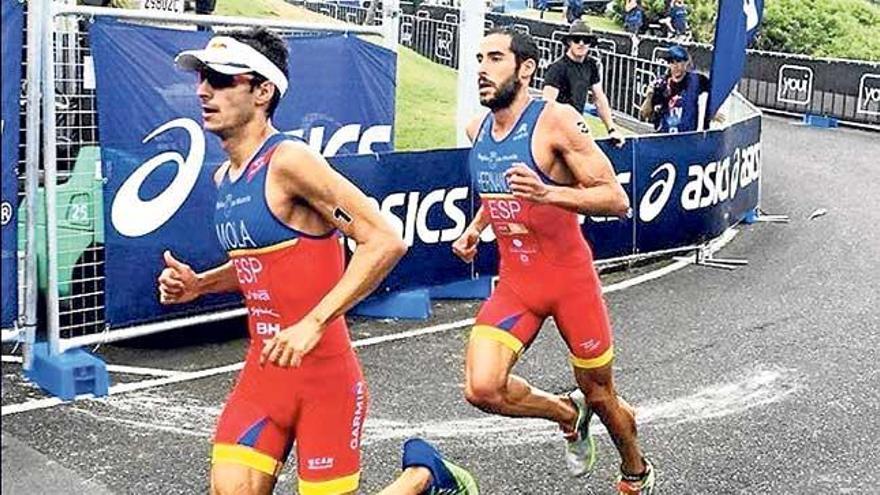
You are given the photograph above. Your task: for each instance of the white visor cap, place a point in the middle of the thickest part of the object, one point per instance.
(230, 56)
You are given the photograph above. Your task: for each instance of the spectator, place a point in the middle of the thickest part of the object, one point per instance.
(678, 15)
(574, 9)
(568, 79)
(672, 103)
(633, 16)
(541, 5)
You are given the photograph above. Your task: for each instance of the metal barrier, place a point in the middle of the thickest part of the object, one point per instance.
(72, 248)
(846, 90)
(626, 80)
(434, 39)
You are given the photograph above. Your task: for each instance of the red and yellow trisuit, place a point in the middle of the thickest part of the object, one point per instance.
(321, 405)
(546, 266)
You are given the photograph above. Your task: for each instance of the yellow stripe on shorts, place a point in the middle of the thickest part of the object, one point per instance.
(246, 456)
(596, 362)
(498, 335)
(347, 484)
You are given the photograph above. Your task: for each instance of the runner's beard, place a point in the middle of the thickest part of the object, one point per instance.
(505, 94)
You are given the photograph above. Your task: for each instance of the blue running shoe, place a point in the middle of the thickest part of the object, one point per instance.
(446, 477)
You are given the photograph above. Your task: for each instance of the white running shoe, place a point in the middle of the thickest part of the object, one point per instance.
(580, 449)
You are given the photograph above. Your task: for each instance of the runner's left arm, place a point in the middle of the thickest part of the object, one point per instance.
(342, 204)
(596, 192)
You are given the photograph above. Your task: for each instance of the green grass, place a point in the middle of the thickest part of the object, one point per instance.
(426, 99)
(594, 21)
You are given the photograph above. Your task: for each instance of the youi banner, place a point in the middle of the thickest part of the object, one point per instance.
(158, 162)
(12, 32)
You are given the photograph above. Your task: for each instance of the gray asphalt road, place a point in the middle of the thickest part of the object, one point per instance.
(761, 380)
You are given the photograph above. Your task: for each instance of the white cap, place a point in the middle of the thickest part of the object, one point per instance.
(230, 56)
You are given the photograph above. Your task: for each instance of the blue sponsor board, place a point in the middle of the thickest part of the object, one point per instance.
(612, 237)
(12, 32)
(690, 187)
(158, 162)
(427, 197)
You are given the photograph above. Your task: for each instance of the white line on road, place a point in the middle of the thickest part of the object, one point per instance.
(32, 405)
(113, 368)
(760, 388)
(189, 416)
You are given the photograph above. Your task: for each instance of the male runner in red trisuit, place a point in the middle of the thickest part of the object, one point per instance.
(536, 167)
(279, 208)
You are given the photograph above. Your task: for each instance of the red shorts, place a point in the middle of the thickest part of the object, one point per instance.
(320, 406)
(517, 308)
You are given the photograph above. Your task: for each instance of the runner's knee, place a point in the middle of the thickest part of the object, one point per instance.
(230, 479)
(484, 391)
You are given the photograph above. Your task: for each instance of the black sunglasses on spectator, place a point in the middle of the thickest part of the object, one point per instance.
(581, 39)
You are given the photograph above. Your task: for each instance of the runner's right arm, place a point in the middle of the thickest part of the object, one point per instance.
(465, 247)
(179, 283)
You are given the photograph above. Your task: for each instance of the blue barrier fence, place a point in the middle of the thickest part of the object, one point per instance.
(685, 189)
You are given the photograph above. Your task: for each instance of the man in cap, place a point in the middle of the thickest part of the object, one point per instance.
(280, 207)
(568, 79)
(672, 103)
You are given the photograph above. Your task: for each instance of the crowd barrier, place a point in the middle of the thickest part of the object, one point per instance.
(127, 174)
(844, 90)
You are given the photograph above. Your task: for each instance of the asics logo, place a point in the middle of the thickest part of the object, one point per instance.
(365, 137)
(134, 217)
(657, 195)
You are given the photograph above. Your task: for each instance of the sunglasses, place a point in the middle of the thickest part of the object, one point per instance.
(218, 80)
(581, 39)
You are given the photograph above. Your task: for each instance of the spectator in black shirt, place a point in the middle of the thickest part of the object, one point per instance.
(568, 79)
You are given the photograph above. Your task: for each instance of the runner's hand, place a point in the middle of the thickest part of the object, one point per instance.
(524, 183)
(465, 247)
(617, 138)
(177, 282)
(288, 347)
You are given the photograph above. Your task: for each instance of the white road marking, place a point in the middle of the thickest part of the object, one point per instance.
(761, 388)
(36, 404)
(191, 417)
(113, 368)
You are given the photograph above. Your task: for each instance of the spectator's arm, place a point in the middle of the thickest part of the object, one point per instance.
(603, 107)
(550, 93)
(552, 82)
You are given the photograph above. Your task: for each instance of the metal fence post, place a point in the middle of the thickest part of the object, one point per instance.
(50, 178)
(391, 24)
(32, 164)
(470, 32)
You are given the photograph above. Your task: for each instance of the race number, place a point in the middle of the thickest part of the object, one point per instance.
(164, 5)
